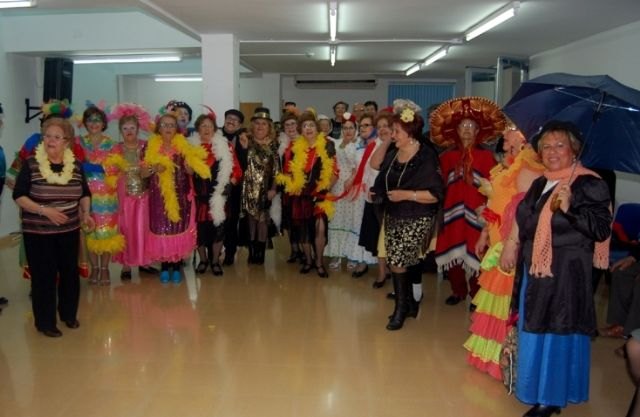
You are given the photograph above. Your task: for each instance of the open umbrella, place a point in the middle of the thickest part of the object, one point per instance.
(606, 111)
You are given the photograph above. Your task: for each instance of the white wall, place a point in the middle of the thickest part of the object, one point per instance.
(17, 82)
(265, 89)
(615, 53)
(90, 32)
(324, 99)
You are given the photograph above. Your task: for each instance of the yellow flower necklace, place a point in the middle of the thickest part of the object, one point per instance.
(194, 157)
(44, 165)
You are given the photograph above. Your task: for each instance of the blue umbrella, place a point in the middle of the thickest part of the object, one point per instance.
(606, 111)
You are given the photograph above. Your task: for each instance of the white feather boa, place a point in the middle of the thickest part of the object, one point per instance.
(222, 153)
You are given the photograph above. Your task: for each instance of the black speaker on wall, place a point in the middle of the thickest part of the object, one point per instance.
(58, 79)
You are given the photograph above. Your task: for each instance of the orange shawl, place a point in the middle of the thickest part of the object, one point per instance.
(542, 255)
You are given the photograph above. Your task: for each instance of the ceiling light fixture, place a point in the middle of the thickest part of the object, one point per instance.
(190, 78)
(332, 55)
(413, 69)
(493, 20)
(333, 20)
(10, 4)
(440, 53)
(125, 59)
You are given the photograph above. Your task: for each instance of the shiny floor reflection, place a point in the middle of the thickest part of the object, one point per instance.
(258, 342)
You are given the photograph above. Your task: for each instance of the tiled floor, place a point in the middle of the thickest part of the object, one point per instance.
(258, 342)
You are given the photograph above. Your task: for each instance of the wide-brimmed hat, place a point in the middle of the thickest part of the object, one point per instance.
(262, 113)
(445, 119)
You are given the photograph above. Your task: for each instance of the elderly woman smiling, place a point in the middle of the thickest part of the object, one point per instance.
(562, 225)
(55, 200)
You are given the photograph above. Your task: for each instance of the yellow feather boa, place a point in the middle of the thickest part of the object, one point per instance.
(295, 181)
(194, 157)
(114, 164)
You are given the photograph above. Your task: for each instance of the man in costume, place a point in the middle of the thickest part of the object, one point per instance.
(462, 125)
(233, 120)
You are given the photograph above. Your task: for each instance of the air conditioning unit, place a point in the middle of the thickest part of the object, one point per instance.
(349, 83)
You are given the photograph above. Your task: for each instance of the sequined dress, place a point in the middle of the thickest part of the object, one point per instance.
(171, 241)
(106, 238)
(263, 164)
(133, 207)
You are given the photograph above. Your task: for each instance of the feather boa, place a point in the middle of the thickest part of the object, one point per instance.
(194, 158)
(295, 182)
(44, 165)
(114, 164)
(223, 155)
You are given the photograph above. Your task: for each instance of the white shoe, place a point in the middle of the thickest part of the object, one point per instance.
(335, 263)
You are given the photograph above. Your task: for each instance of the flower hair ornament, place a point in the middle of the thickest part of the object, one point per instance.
(132, 109)
(348, 117)
(407, 115)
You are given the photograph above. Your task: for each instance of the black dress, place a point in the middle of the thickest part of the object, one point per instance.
(563, 304)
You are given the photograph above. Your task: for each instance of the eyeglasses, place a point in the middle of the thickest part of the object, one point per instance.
(467, 125)
(94, 119)
(307, 125)
(54, 137)
(365, 125)
(167, 125)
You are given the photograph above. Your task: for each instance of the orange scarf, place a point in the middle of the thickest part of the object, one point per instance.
(542, 255)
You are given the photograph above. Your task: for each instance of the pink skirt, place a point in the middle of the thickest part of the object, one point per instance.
(133, 221)
(174, 247)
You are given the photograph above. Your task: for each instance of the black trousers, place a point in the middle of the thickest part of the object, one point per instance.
(53, 262)
(231, 222)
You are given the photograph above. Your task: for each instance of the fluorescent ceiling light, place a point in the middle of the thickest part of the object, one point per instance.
(191, 78)
(333, 20)
(9, 4)
(332, 55)
(125, 59)
(413, 69)
(440, 53)
(493, 20)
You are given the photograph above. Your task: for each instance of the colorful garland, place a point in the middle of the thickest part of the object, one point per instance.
(44, 165)
(295, 182)
(194, 157)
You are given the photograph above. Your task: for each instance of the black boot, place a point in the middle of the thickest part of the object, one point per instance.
(252, 253)
(259, 252)
(401, 284)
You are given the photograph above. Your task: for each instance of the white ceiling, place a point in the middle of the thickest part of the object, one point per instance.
(375, 37)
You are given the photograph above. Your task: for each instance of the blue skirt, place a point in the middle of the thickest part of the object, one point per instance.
(552, 369)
